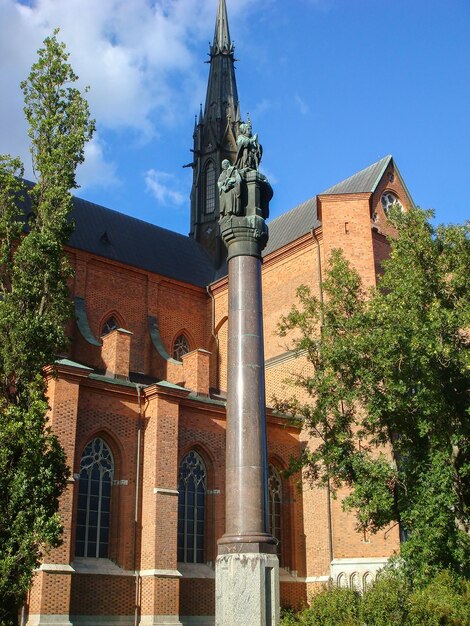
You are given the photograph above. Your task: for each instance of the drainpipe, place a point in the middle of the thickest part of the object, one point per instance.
(216, 338)
(328, 486)
(136, 509)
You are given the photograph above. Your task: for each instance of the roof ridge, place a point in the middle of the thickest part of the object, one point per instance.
(384, 161)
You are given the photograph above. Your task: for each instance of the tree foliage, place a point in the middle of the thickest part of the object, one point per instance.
(388, 404)
(389, 601)
(34, 308)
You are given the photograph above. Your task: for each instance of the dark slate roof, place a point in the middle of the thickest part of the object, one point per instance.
(292, 225)
(364, 181)
(134, 242)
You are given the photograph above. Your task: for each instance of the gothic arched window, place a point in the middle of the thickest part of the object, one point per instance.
(109, 325)
(209, 196)
(191, 508)
(180, 347)
(94, 496)
(274, 505)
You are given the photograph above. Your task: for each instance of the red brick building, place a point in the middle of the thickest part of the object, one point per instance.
(139, 401)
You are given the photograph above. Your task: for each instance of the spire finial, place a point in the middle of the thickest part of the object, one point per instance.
(222, 41)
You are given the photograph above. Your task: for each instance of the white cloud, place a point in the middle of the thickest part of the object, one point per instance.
(96, 171)
(137, 56)
(157, 184)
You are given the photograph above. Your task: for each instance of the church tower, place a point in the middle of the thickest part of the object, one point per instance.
(214, 137)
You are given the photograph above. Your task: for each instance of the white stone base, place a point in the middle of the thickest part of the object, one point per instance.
(48, 620)
(159, 620)
(247, 590)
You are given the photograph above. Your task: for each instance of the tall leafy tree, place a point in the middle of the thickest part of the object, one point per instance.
(34, 308)
(388, 400)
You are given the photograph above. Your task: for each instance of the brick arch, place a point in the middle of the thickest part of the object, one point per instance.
(118, 450)
(220, 324)
(117, 316)
(189, 336)
(117, 514)
(202, 450)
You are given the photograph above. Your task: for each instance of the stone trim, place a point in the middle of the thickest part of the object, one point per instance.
(102, 620)
(35, 619)
(106, 567)
(56, 568)
(160, 573)
(197, 620)
(159, 620)
(166, 492)
(315, 579)
(196, 570)
(372, 560)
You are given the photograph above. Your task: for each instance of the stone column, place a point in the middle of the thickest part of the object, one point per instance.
(247, 568)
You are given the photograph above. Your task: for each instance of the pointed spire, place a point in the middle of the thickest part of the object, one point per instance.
(200, 114)
(222, 42)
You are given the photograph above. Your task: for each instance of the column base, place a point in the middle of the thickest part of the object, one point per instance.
(247, 589)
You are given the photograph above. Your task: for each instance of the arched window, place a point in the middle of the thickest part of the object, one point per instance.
(388, 200)
(94, 494)
(109, 325)
(180, 347)
(366, 581)
(274, 505)
(191, 505)
(209, 206)
(342, 581)
(354, 582)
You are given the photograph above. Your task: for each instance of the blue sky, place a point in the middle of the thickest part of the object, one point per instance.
(331, 86)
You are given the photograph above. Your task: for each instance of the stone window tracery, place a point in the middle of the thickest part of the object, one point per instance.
(274, 505)
(191, 508)
(180, 347)
(388, 200)
(94, 497)
(109, 325)
(209, 204)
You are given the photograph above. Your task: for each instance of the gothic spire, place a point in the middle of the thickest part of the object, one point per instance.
(222, 41)
(222, 94)
(214, 138)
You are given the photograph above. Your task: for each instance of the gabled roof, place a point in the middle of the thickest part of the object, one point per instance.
(302, 218)
(364, 181)
(292, 225)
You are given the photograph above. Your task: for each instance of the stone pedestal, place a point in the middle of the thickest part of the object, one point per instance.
(247, 590)
(247, 568)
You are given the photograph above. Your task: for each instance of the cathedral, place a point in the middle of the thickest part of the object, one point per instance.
(139, 402)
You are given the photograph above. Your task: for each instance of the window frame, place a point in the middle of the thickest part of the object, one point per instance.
(90, 459)
(192, 515)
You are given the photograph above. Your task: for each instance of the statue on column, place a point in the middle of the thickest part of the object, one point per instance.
(249, 150)
(229, 185)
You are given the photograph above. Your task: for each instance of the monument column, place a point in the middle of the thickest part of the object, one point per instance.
(247, 568)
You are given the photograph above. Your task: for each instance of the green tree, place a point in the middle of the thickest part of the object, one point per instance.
(388, 405)
(34, 308)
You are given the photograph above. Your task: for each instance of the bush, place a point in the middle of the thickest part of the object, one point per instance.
(384, 603)
(335, 606)
(445, 600)
(389, 601)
